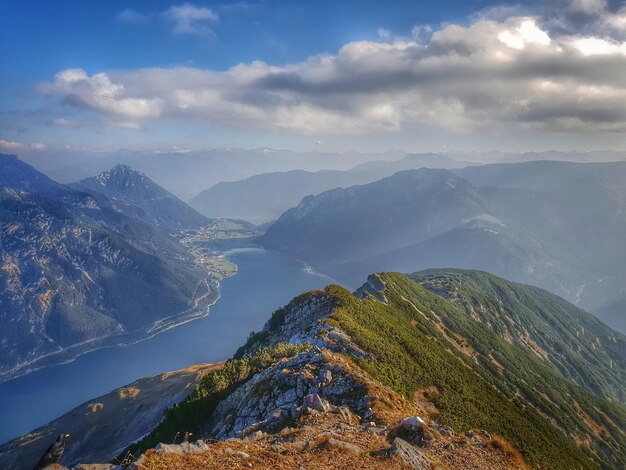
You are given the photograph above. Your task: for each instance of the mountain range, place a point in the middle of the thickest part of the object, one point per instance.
(87, 265)
(558, 225)
(456, 368)
(263, 198)
(185, 172)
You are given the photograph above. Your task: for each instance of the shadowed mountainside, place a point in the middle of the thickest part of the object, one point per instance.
(262, 198)
(138, 196)
(78, 272)
(554, 224)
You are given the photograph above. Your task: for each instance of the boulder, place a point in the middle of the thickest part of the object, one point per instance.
(183, 448)
(315, 402)
(412, 423)
(411, 429)
(325, 377)
(342, 445)
(410, 455)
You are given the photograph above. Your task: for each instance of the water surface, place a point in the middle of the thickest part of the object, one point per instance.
(265, 281)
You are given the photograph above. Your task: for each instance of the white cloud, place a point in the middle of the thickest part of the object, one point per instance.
(525, 34)
(8, 145)
(597, 46)
(190, 19)
(384, 34)
(617, 20)
(99, 93)
(490, 74)
(11, 146)
(421, 33)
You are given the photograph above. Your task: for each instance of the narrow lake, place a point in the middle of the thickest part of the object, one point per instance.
(265, 281)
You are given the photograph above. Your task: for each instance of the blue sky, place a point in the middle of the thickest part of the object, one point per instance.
(280, 73)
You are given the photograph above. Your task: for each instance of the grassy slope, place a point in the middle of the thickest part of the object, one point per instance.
(575, 342)
(411, 352)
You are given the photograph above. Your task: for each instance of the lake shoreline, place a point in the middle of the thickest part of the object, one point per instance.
(265, 281)
(146, 333)
(149, 331)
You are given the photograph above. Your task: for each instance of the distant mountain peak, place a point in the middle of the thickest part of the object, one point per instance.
(132, 190)
(122, 176)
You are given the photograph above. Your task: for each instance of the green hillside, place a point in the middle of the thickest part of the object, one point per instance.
(576, 343)
(417, 339)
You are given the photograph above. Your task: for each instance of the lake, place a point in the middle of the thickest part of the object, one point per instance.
(264, 282)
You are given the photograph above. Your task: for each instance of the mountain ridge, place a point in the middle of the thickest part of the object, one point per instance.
(356, 367)
(525, 315)
(262, 198)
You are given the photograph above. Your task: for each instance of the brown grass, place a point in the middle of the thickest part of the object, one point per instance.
(128, 392)
(199, 369)
(95, 407)
(514, 455)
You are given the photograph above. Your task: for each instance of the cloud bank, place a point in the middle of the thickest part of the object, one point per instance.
(515, 71)
(11, 146)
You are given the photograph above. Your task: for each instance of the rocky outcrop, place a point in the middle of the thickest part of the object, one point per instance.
(276, 397)
(302, 321)
(322, 438)
(410, 455)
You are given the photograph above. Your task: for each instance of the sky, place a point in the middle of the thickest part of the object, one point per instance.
(313, 75)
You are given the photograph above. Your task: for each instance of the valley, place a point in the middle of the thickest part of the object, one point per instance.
(264, 281)
(74, 261)
(425, 335)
